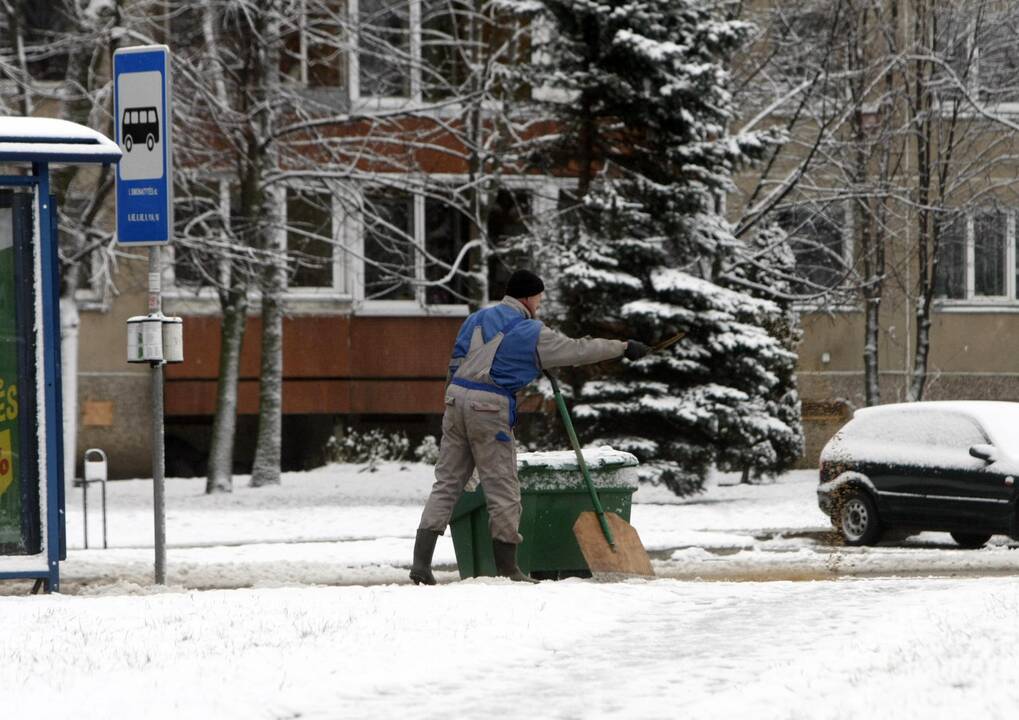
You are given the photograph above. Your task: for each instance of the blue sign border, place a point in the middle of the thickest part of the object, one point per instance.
(149, 199)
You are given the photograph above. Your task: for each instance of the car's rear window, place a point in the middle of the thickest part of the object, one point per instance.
(940, 429)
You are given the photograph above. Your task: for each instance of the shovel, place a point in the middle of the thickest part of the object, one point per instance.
(608, 543)
(668, 342)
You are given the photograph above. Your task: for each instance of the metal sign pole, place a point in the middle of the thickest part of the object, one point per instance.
(143, 128)
(158, 458)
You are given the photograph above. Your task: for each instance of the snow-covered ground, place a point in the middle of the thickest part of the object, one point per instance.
(323, 624)
(341, 526)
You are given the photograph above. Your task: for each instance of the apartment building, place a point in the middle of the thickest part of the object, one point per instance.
(902, 122)
(361, 348)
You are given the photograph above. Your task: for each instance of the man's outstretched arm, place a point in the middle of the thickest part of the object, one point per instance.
(557, 350)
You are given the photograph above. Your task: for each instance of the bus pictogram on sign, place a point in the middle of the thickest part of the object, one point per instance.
(140, 125)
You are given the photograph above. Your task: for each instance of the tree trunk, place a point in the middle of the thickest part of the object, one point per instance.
(918, 380)
(871, 374)
(924, 131)
(273, 242)
(219, 475)
(233, 298)
(266, 470)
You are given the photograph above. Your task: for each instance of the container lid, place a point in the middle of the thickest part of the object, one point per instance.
(600, 457)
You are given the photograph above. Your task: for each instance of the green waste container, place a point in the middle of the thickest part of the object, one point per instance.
(553, 495)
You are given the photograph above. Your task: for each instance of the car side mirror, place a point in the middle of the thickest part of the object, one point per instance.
(987, 453)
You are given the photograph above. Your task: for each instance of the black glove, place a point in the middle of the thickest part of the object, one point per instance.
(635, 350)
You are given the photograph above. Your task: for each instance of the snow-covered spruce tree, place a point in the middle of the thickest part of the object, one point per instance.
(765, 267)
(645, 251)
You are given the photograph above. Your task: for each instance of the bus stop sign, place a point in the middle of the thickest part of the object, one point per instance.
(142, 121)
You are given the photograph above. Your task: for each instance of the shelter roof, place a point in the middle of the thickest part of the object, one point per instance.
(42, 139)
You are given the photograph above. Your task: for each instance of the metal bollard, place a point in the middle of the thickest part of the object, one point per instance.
(95, 471)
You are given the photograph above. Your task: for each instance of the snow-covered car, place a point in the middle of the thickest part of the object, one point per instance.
(944, 466)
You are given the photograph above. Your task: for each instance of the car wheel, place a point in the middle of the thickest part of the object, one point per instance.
(970, 541)
(150, 142)
(128, 143)
(858, 520)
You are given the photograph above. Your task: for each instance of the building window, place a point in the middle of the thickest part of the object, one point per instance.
(204, 238)
(990, 241)
(421, 49)
(444, 47)
(395, 51)
(199, 210)
(413, 246)
(983, 55)
(506, 224)
(388, 224)
(977, 257)
(315, 44)
(386, 55)
(818, 238)
(950, 281)
(406, 249)
(447, 230)
(310, 239)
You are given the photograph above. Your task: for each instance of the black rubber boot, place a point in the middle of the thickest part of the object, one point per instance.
(424, 547)
(506, 562)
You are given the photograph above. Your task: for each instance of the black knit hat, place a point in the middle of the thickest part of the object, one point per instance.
(524, 283)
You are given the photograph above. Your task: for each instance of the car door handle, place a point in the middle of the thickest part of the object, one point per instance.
(1009, 481)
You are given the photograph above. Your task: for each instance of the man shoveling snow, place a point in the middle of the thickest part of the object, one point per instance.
(498, 351)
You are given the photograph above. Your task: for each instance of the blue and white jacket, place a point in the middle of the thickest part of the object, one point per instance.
(501, 349)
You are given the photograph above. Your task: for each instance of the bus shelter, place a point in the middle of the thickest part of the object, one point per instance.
(31, 428)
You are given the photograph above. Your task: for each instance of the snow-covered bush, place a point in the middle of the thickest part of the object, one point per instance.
(428, 451)
(371, 447)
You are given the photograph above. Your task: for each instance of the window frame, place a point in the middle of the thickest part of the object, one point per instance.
(1008, 301)
(347, 295)
(378, 102)
(848, 226)
(350, 72)
(304, 44)
(538, 188)
(338, 291)
(340, 287)
(88, 296)
(973, 85)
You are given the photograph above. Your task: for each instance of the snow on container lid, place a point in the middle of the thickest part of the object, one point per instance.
(559, 469)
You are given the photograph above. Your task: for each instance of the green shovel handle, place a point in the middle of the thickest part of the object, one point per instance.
(580, 460)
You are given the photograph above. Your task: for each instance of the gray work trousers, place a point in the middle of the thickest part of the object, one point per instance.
(476, 432)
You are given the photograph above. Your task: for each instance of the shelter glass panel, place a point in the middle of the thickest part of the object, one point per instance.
(19, 477)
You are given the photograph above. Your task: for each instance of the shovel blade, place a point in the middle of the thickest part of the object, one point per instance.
(628, 558)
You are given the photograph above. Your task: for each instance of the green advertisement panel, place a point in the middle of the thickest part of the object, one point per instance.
(19, 492)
